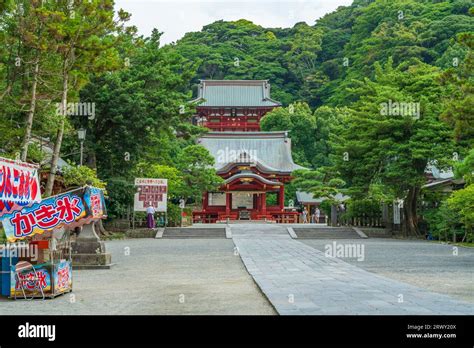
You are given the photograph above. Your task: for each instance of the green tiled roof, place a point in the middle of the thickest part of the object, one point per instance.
(271, 150)
(235, 93)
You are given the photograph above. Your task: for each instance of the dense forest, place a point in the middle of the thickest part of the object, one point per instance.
(333, 76)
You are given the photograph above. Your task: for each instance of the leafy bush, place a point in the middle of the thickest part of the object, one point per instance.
(326, 207)
(174, 214)
(120, 197)
(35, 154)
(362, 207)
(462, 203)
(271, 199)
(80, 176)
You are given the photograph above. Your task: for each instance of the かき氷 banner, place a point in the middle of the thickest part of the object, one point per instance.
(70, 209)
(95, 202)
(19, 185)
(30, 281)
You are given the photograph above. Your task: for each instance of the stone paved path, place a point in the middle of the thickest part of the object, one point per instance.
(298, 279)
(437, 267)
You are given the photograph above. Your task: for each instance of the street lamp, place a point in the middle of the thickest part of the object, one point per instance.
(81, 134)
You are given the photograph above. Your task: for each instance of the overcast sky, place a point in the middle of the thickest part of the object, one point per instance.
(177, 17)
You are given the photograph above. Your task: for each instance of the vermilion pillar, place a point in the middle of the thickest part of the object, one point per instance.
(205, 200)
(264, 203)
(227, 203)
(281, 197)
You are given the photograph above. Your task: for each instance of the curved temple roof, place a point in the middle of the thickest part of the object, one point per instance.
(235, 93)
(254, 176)
(270, 150)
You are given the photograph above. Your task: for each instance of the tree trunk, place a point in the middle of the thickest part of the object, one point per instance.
(102, 229)
(99, 225)
(7, 91)
(59, 139)
(11, 76)
(31, 112)
(409, 207)
(92, 160)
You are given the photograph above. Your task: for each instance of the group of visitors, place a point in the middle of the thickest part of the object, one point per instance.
(314, 217)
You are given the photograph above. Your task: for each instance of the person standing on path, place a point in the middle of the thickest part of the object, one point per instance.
(150, 220)
(317, 214)
(305, 216)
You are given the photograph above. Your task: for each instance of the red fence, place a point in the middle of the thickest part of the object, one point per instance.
(279, 217)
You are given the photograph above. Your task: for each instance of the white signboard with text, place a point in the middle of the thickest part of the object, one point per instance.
(396, 212)
(152, 192)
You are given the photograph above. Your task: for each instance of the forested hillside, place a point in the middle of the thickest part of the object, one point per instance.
(315, 63)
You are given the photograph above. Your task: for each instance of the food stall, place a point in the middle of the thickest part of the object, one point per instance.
(40, 234)
(50, 273)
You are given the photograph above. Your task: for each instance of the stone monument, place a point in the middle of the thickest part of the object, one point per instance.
(88, 251)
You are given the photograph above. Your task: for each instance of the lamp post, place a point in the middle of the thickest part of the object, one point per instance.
(81, 134)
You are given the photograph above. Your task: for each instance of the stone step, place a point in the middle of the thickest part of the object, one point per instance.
(326, 233)
(258, 230)
(190, 232)
(253, 222)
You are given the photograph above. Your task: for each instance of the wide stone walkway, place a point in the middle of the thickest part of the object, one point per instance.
(298, 279)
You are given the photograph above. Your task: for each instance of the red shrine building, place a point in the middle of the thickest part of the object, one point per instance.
(255, 165)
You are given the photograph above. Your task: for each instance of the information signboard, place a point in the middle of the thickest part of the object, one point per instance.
(151, 192)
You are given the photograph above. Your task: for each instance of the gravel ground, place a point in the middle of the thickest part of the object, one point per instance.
(191, 276)
(428, 265)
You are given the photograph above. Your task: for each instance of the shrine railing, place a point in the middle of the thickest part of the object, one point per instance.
(286, 218)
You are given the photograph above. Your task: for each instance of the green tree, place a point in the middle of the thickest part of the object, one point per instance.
(379, 143)
(460, 102)
(196, 166)
(465, 169)
(462, 202)
(309, 132)
(322, 183)
(300, 122)
(143, 100)
(85, 34)
(80, 176)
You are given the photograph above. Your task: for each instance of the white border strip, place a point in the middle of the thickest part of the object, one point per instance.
(359, 232)
(291, 232)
